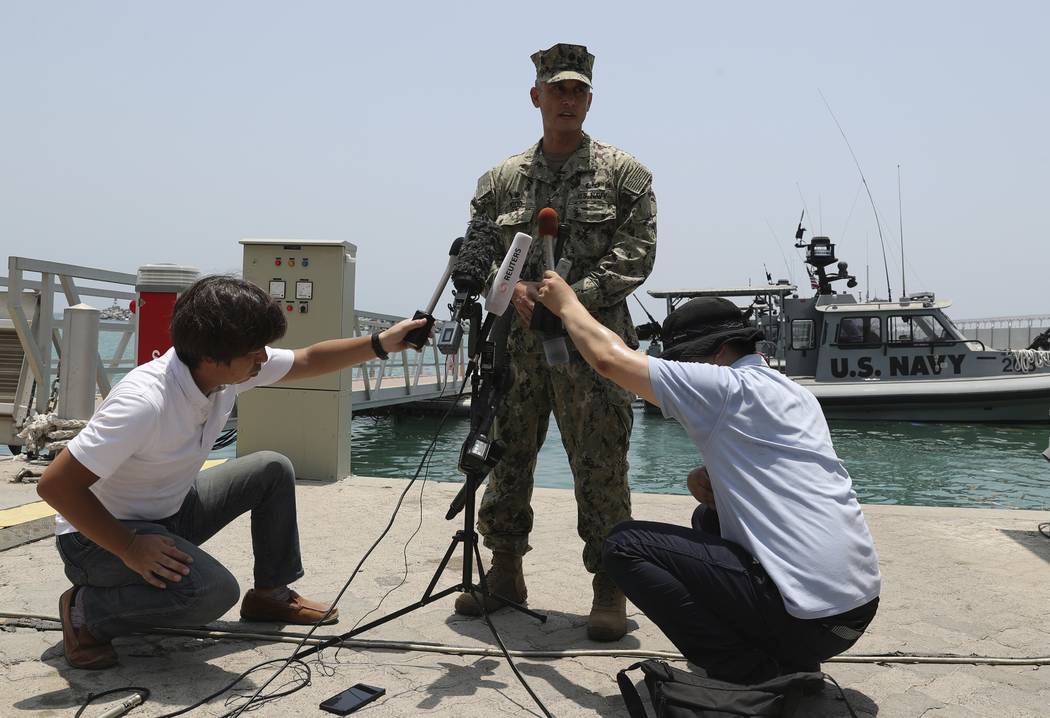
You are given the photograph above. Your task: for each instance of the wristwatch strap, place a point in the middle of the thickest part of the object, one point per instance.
(377, 347)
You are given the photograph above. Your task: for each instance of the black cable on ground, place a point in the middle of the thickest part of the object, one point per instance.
(424, 461)
(257, 699)
(1044, 529)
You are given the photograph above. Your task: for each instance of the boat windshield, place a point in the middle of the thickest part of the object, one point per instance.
(918, 329)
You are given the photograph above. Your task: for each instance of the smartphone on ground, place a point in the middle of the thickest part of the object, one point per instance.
(351, 699)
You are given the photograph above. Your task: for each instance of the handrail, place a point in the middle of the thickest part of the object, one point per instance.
(409, 377)
(39, 334)
(400, 376)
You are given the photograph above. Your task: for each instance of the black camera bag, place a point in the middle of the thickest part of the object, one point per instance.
(679, 694)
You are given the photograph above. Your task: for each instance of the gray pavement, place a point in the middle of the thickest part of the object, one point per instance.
(956, 581)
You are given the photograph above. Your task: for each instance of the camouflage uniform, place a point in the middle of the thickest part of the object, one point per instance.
(605, 200)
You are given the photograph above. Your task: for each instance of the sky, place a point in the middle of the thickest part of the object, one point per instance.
(142, 132)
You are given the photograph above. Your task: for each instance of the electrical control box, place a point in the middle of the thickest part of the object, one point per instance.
(307, 420)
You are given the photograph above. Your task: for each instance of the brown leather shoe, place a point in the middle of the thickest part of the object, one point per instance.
(82, 649)
(294, 609)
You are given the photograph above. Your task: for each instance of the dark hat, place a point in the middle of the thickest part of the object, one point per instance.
(564, 62)
(700, 326)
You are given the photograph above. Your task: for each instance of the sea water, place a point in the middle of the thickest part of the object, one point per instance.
(966, 465)
(890, 462)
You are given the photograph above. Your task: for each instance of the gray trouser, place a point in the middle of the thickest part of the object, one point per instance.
(117, 601)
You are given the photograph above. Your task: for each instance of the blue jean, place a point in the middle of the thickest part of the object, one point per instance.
(118, 601)
(718, 605)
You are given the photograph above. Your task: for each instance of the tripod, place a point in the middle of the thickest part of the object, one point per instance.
(491, 377)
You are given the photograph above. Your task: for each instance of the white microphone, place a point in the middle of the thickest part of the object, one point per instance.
(508, 275)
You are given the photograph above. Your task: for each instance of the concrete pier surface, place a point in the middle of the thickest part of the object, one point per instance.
(964, 582)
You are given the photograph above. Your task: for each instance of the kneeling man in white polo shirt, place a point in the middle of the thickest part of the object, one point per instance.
(133, 504)
(778, 571)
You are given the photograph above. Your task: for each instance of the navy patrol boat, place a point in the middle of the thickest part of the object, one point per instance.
(888, 360)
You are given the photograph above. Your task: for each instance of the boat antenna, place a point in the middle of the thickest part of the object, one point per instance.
(867, 269)
(651, 317)
(874, 209)
(900, 218)
(652, 329)
(787, 265)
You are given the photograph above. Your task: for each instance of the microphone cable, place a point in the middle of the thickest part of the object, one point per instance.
(254, 701)
(304, 673)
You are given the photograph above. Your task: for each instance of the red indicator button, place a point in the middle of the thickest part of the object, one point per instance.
(277, 262)
(290, 307)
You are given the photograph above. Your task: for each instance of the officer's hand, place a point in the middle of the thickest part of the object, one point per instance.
(524, 300)
(154, 557)
(393, 339)
(555, 294)
(699, 483)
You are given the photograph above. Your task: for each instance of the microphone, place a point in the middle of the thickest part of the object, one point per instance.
(548, 220)
(469, 272)
(508, 275)
(543, 321)
(481, 244)
(418, 337)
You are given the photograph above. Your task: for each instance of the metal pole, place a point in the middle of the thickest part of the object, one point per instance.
(77, 375)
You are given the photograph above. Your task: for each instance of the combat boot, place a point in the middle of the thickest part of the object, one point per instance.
(504, 578)
(608, 619)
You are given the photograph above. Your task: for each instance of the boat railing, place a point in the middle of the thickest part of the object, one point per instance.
(1014, 332)
(972, 344)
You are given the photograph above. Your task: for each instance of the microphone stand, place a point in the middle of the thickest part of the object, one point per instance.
(491, 376)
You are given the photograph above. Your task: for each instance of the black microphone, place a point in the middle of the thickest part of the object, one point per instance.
(470, 270)
(481, 248)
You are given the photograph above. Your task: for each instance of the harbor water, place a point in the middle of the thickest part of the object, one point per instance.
(961, 465)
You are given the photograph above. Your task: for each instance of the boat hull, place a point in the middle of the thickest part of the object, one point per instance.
(1022, 400)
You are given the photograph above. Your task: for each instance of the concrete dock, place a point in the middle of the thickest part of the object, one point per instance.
(958, 582)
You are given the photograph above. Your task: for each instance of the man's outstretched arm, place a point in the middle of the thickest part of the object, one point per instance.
(335, 354)
(602, 348)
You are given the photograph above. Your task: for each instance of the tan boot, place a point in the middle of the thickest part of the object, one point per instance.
(504, 578)
(608, 619)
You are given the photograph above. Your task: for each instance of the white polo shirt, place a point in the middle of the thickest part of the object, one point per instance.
(781, 491)
(150, 437)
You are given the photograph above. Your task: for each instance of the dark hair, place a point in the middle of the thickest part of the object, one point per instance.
(222, 317)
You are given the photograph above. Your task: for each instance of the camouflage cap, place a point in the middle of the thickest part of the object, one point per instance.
(564, 62)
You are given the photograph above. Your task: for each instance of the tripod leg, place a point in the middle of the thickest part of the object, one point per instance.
(441, 566)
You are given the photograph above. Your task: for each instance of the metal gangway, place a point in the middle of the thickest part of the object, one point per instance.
(31, 345)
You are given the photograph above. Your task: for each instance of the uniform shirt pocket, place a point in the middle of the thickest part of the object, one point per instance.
(591, 228)
(591, 211)
(516, 217)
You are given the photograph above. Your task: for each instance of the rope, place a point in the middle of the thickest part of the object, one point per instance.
(48, 432)
(1028, 360)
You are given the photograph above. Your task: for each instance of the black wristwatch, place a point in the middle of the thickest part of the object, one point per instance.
(377, 347)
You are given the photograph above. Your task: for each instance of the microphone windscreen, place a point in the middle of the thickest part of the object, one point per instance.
(479, 251)
(548, 222)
